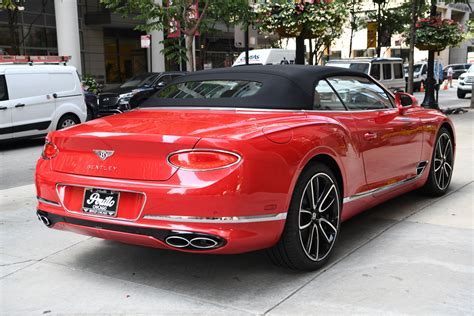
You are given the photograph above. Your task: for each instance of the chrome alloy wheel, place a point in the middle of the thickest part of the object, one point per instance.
(319, 217)
(443, 161)
(68, 122)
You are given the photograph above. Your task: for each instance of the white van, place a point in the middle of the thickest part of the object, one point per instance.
(387, 71)
(271, 56)
(36, 99)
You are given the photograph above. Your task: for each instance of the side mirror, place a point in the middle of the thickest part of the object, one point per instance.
(405, 101)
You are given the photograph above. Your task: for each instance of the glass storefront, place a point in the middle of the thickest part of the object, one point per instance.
(123, 55)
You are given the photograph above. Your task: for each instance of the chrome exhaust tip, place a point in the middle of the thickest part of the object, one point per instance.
(193, 241)
(203, 243)
(177, 241)
(44, 220)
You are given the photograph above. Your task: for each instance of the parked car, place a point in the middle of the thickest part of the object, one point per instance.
(269, 56)
(465, 82)
(91, 104)
(238, 159)
(118, 100)
(420, 72)
(388, 71)
(457, 68)
(37, 99)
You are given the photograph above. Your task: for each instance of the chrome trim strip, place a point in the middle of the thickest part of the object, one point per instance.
(102, 188)
(239, 158)
(222, 220)
(421, 165)
(256, 109)
(45, 201)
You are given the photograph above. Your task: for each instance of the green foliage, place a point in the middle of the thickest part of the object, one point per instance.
(8, 5)
(433, 33)
(310, 20)
(90, 84)
(173, 50)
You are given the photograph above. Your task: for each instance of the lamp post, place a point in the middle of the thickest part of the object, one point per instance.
(429, 100)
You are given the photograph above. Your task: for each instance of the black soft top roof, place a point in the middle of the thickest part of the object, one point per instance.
(283, 86)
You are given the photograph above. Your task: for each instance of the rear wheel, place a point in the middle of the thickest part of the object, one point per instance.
(67, 121)
(312, 224)
(441, 168)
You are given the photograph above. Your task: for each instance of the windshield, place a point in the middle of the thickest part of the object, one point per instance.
(138, 81)
(417, 67)
(471, 69)
(362, 67)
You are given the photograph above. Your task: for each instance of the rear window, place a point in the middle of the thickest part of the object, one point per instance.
(397, 70)
(3, 89)
(210, 89)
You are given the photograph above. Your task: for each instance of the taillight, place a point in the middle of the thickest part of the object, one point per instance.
(203, 159)
(49, 151)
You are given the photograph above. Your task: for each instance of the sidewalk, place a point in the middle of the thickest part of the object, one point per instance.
(409, 255)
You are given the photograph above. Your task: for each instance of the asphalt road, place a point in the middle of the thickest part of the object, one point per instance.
(409, 255)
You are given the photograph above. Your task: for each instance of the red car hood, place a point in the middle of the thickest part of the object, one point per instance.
(144, 139)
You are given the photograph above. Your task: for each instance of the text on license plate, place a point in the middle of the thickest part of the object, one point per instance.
(100, 202)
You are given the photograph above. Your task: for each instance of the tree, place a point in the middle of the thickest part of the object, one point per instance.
(429, 99)
(183, 16)
(13, 7)
(302, 19)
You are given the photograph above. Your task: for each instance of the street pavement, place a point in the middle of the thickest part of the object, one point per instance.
(412, 254)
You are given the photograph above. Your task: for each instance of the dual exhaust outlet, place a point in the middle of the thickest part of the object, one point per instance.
(193, 241)
(176, 239)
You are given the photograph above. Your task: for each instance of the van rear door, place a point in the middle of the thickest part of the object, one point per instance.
(32, 104)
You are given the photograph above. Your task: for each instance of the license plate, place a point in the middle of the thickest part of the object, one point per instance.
(100, 202)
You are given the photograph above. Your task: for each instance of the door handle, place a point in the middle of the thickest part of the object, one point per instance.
(20, 105)
(370, 136)
(3, 108)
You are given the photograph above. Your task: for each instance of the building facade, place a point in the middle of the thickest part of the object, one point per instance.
(460, 13)
(102, 43)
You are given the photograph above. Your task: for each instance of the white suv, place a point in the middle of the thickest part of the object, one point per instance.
(36, 99)
(465, 82)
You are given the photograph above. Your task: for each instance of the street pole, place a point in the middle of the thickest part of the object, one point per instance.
(246, 44)
(379, 30)
(429, 101)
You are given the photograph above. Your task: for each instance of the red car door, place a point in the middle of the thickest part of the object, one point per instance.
(389, 141)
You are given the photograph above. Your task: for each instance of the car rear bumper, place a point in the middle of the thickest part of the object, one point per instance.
(237, 221)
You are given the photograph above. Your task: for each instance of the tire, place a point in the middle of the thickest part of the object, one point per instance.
(294, 250)
(67, 120)
(461, 94)
(441, 167)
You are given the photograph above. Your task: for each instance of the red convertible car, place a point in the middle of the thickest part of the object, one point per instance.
(235, 160)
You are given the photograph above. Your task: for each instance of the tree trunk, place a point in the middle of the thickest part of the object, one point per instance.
(189, 53)
(311, 53)
(299, 60)
(411, 56)
(12, 24)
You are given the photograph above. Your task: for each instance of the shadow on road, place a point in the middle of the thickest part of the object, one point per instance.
(21, 143)
(249, 280)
